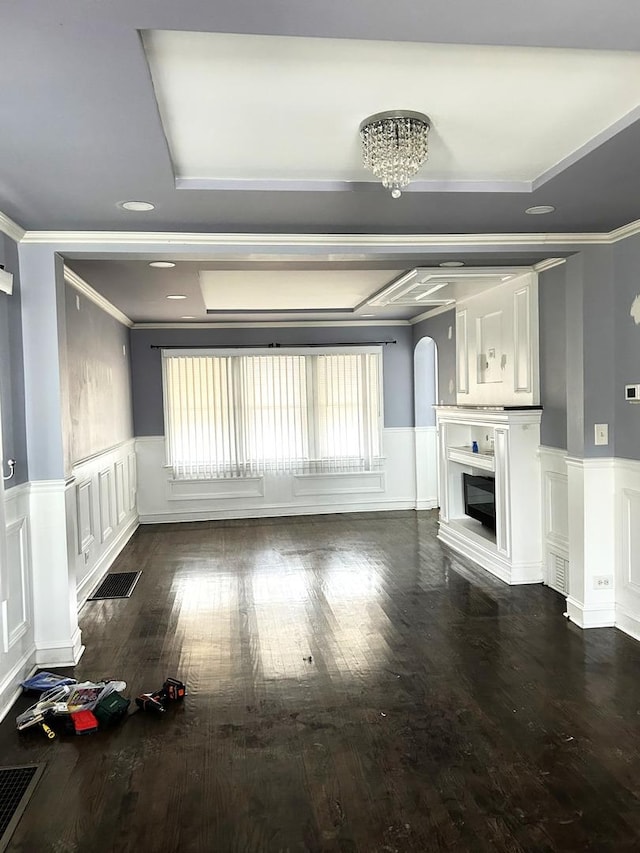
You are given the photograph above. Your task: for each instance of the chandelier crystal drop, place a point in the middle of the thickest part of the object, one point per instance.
(394, 146)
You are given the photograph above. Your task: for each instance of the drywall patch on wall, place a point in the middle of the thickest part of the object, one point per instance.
(635, 310)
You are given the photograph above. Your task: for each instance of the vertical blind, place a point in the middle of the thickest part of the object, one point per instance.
(239, 415)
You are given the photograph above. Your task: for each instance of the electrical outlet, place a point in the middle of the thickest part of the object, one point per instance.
(603, 582)
(601, 433)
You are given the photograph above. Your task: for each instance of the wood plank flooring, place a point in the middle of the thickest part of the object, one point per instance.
(440, 710)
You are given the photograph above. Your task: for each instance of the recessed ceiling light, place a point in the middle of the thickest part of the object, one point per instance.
(138, 206)
(176, 296)
(188, 317)
(368, 315)
(539, 209)
(162, 265)
(452, 264)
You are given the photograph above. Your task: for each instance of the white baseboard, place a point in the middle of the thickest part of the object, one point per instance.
(62, 655)
(590, 617)
(628, 622)
(488, 558)
(22, 669)
(88, 584)
(279, 512)
(430, 503)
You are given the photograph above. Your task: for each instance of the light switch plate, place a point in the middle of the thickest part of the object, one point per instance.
(601, 433)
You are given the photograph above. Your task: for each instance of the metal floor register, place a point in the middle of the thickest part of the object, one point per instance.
(119, 585)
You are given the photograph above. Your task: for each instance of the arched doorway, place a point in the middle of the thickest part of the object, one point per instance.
(425, 373)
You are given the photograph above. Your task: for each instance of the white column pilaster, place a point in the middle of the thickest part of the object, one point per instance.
(591, 492)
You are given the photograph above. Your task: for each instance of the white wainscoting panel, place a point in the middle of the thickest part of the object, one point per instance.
(18, 582)
(222, 489)
(84, 502)
(110, 476)
(133, 479)
(18, 652)
(105, 501)
(592, 541)
(628, 546)
(122, 499)
(426, 467)
(555, 517)
(354, 483)
(162, 499)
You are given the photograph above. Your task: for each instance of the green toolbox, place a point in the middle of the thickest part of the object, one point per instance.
(111, 709)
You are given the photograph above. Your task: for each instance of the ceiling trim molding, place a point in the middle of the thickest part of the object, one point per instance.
(85, 288)
(548, 264)
(625, 231)
(312, 185)
(354, 241)
(177, 239)
(240, 324)
(11, 228)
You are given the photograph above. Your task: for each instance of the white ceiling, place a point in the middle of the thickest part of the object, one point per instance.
(274, 108)
(288, 290)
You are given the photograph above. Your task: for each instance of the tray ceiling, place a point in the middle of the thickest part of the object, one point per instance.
(270, 108)
(82, 131)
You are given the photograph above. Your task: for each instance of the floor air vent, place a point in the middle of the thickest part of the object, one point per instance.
(16, 786)
(119, 585)
(559, 573)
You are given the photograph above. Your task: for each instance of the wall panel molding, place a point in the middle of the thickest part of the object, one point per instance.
(85, 504)
(160, 498)
(105, 504)
(105, 509)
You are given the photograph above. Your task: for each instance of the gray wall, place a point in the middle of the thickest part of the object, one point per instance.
(147, 371)
(98, 378)
(14, 438)
(626, 260)
(599, 347)
(438, 328)
(553, 357)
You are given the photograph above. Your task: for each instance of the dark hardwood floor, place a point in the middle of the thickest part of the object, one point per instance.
(440, 711)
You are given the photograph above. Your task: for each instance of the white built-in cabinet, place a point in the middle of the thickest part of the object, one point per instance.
(508, 444)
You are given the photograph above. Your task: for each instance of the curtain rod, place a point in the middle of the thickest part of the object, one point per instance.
(272, 345)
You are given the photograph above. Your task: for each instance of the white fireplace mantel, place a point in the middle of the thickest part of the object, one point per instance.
(508, 442)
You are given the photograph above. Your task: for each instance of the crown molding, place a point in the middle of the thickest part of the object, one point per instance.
(548, 264)
(625, 231)
(273, 324)
(176, 239)
(329, 185)
(11, 228)
(149, 239)
(85, 288)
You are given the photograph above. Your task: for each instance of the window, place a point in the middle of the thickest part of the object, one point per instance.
(239, 415)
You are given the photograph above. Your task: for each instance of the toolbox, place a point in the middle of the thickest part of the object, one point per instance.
(84, 722)
(111, 709)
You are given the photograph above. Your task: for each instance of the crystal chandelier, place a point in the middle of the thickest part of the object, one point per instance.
(394, 146)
